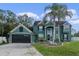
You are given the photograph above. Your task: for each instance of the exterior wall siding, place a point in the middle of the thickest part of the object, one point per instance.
(17, 31)
(62, 32)
(25, 31)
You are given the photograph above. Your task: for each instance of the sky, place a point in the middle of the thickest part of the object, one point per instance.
(37, 10)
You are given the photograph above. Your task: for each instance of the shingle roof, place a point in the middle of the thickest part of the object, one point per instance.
(36, 22)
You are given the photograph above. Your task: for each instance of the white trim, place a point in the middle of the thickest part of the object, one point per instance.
(19, 26)
(48, 26)
(45, 33)
(47, 22)
(10, 38)
(21, 33)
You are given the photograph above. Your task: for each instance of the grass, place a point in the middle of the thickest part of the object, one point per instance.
(68, 49)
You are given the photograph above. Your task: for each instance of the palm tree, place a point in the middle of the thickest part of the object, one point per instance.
(58, 11)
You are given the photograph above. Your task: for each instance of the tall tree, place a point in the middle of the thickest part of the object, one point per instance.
(11, 17)
(24, 19)
(58, 11)
(2, 21)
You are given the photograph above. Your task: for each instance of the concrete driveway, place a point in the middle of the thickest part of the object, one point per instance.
(18, 49)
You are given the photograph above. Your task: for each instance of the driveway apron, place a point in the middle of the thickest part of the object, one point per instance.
(18, 49)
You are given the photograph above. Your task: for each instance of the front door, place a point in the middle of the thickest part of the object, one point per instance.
(49, 33)
(65, 37)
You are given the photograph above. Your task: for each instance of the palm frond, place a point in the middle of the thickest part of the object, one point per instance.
(47, 8)
(69, 13)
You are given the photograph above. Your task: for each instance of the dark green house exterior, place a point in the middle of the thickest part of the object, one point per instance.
(41, 32)
(44, 32)
(20, 34)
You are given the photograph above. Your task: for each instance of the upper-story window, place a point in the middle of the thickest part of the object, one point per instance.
(21, 29)
(66, 27)
(40, 28)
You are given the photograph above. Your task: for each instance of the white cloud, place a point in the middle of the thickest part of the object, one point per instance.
(75, 17)
(43, 14)
(74, 12)
(30, 14)
(74, 22)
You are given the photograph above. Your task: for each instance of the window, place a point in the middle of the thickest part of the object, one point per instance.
(40, 28)
(65, 36)
(66, 28)
(21, 29)
(40, 35)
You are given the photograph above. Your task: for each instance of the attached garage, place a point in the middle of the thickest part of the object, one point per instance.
(21, 38)
(20, 34)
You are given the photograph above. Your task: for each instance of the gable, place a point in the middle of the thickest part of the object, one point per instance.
(21, 29)
(48, 23)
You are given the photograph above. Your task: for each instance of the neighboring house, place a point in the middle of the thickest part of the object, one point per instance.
(73, 31)
(41, 32)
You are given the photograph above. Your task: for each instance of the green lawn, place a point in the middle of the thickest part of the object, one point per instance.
(68, 49)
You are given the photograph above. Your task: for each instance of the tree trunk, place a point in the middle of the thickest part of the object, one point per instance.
(59, 30)
(2, 31)
(59, 33)
(54, 33)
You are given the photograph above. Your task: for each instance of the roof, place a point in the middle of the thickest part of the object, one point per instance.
(20, 25)
(41, 23)
(36, 22)
(49, 22)
(67, 23)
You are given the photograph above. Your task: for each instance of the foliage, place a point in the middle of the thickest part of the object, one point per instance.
(76, 34)
(24, 19)
(8, 27)
(59, 12)
(8, 20)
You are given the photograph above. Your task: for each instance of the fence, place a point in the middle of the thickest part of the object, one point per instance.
(75, 39)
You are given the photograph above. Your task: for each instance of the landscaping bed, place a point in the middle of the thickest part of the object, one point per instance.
(68, 49)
